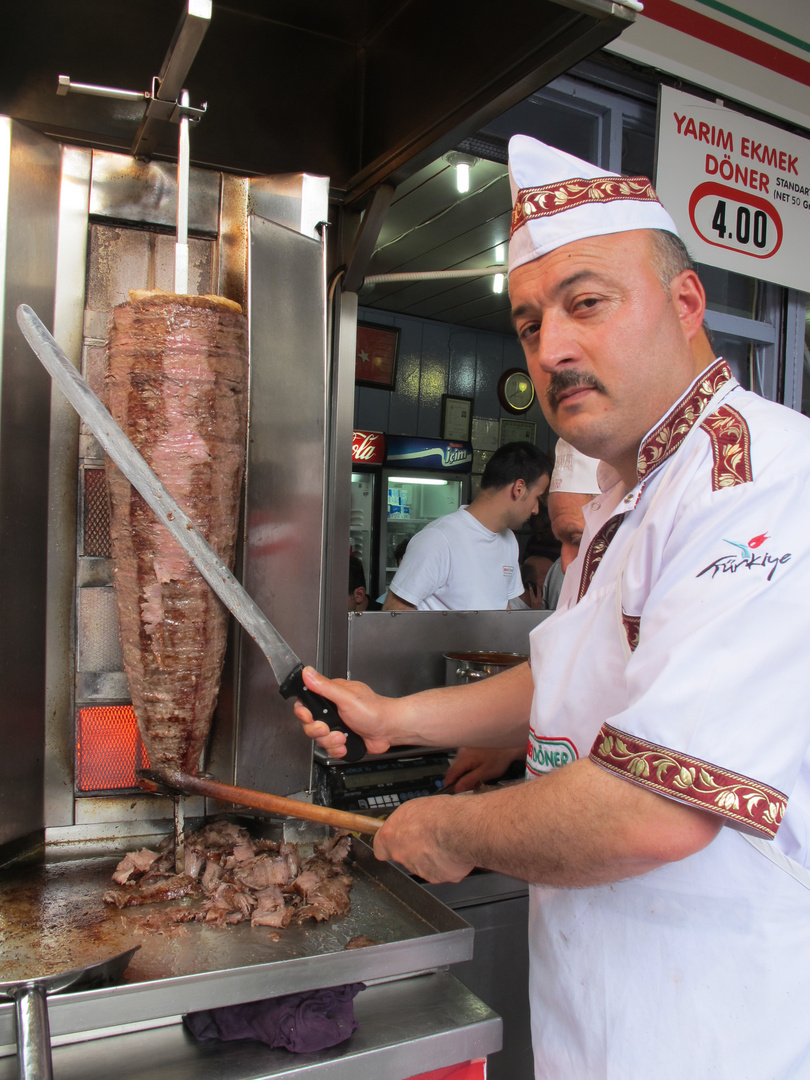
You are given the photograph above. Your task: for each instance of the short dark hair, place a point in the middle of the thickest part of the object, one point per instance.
(515, 461)
(670, 256)
(357, 575)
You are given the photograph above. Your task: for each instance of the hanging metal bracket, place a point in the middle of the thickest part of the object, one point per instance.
(166, 102)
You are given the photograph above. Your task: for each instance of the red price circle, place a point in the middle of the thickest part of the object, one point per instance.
(736, 220)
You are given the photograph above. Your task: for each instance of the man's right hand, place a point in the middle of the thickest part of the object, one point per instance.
(475, 765)
(359, 707)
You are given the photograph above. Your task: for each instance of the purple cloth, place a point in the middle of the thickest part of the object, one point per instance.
(303, 1023)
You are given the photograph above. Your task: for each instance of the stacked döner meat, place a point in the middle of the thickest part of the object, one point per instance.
(177, 385)
(238, 878)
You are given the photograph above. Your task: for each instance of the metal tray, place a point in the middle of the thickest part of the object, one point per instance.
(52, 917)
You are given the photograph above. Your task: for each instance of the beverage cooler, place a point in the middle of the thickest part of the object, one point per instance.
(423, 479)
(368, 455)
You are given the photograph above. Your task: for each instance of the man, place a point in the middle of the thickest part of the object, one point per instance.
(573, 484)
(668, 680)
(468, 560)
(359, 600)
(533, 572)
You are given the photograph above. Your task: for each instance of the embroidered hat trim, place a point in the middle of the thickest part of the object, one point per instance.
(549, 199)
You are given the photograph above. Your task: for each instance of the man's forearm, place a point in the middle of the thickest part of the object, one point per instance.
(492, 712)
(575, 827)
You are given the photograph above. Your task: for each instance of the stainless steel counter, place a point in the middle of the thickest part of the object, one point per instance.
(406, 1027)
(498, 908)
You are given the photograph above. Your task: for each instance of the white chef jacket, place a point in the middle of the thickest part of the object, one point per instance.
(457, 564)
(676, 659)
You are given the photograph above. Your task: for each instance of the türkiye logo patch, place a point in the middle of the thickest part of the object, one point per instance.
(746, 556)
(546, 754)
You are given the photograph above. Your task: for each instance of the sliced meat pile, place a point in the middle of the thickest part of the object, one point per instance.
(177, 384)
(238, 878)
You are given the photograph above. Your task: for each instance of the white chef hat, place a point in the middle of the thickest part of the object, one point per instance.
(573, 471)
(559, 198)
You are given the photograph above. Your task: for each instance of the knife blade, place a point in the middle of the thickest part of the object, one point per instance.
(286, 666)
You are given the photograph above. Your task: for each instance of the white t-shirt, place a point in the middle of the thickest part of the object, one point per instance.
(456, 564)
(677, 660)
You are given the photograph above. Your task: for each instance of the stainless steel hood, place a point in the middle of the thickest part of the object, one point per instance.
(362, 91)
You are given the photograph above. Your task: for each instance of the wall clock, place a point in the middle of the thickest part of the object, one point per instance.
(515, 391)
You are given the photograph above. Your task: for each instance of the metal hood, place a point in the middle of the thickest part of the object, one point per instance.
(362, 91)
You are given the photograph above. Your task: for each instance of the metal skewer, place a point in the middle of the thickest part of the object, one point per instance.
(183, 163)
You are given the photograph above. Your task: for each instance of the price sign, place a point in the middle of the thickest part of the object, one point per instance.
(737, 189)
(735, 221)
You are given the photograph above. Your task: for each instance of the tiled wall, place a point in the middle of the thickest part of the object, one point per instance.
(438, 358)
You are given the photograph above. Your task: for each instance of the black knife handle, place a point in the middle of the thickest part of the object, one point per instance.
(322, 709)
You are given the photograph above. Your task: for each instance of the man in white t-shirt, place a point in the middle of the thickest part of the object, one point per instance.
(573, 484)
(468, 560)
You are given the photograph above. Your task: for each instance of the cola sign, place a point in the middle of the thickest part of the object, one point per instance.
(368, 447)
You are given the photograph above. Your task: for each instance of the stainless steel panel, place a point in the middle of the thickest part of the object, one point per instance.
(197, 965)
(128, 189)
(406, 1028)
(122, 258)
(284, 519)
(499, 974)
(298, 200)
(30, 167)
(343, 350)
(64, 440)
(418, 640)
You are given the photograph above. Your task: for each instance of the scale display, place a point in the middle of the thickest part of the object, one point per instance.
(377, 786)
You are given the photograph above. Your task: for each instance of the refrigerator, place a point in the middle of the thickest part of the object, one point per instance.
(423, 479)
(368, 456)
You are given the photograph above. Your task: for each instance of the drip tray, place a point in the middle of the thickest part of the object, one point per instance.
(52, 916)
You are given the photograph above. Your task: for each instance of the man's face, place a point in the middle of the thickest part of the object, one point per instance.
(567, 523)
(528, 502)
(604, 342)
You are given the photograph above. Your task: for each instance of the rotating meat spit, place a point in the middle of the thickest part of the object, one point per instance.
(286, 666)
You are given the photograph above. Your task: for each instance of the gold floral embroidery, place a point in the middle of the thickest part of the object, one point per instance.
(664, 440)
(553, 198)
(632, 627)
(596, 551)
(700, 783)
(731, 448)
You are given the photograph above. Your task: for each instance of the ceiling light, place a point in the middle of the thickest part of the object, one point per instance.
(462, 164)
(498, 283)
(422, 480)
(500, 253)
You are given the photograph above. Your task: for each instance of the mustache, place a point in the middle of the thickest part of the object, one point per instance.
(571, 380)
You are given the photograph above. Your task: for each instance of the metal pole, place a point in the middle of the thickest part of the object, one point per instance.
(183, 164)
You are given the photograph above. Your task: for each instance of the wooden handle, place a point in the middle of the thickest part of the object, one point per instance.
(274, 804)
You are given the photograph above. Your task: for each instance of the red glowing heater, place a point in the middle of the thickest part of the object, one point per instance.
(109, 749)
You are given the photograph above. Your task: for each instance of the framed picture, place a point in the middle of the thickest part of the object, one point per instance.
(456, 417)
(376, 358)
(485, 433)
(518, 431)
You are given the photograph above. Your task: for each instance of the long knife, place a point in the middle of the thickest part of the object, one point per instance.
(287, 668)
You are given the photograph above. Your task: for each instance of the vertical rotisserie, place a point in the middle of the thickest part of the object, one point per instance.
(177, 383)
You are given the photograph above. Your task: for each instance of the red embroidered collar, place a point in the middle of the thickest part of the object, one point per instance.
(667, 436)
